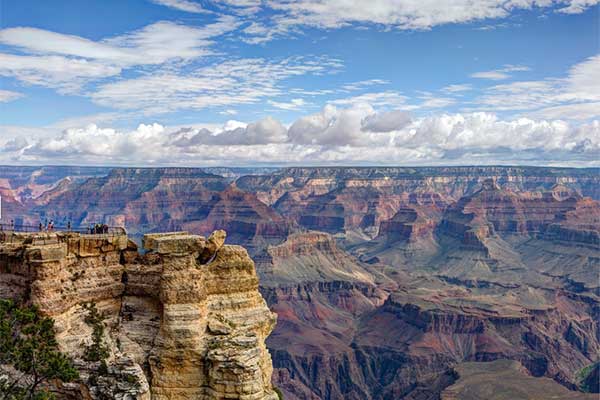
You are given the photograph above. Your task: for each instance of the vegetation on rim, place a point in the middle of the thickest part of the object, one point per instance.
(29, 354)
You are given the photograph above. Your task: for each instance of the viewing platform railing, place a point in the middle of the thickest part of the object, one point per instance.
(8, 232)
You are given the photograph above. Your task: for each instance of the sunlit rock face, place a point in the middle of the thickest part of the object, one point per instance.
(185, 320)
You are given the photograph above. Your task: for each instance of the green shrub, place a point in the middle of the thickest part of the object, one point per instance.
(28, 344)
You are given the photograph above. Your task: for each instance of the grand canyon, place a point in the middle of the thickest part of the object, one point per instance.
(300, 200)
(378, 282)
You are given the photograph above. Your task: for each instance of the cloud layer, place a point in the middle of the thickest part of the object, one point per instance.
(357, 134)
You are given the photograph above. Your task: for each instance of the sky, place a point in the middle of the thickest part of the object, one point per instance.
(303, 82)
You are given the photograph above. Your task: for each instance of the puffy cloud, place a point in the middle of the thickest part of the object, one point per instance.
(354, 135)
(14, 144)
(484, 130)
(333, 126)
(101, 143)
(386, 121)
(265, 131)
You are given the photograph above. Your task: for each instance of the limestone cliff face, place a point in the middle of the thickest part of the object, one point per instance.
(185, 320)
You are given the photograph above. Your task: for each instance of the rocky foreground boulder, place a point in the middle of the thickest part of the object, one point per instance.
(183, 319)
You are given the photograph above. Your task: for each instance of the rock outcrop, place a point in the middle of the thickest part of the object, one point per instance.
(504, 380)
(184, 320)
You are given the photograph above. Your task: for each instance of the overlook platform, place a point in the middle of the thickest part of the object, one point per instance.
(29, 234)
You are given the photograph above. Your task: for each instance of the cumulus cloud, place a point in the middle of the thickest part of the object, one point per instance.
(386, 121)
(265, 131)
(332, 126)
(97, 143)
(484, 130)
(354, 135)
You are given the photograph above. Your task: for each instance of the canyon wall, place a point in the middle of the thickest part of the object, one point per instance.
(184, 320)
(384, 279)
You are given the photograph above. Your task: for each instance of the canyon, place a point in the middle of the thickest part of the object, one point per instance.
(387, 282)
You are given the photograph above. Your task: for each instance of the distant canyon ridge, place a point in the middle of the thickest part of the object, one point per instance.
(387, 282)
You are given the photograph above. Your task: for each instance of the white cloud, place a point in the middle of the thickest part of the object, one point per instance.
(233, 82)
(493, 75)
(7, 95)
(574, 96)
(352, 135)
(431, 101)
(228, 111)
(65, 74)
(575, 111)
(101, 143)
(154, 44)
(293, 104)
(578, 6)
(332, 126)
(364, 84)
(386, 121)
(387, 98)
(487, 131)
(182, 5)
(265, 131)
(499, 74)
(456, 88)
(397, 14)
(67, 62)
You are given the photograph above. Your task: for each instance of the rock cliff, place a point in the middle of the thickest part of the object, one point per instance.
(184, 320)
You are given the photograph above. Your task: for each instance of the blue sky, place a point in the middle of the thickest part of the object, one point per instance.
(304, 82)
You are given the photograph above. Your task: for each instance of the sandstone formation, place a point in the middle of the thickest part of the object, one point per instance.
(184, 320)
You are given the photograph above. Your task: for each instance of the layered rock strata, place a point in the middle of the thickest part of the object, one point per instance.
(184, 320)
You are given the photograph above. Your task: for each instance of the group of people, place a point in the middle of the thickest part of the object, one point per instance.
(48, 226)
(98, 228)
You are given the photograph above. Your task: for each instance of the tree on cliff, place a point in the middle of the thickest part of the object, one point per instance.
(29, 354)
